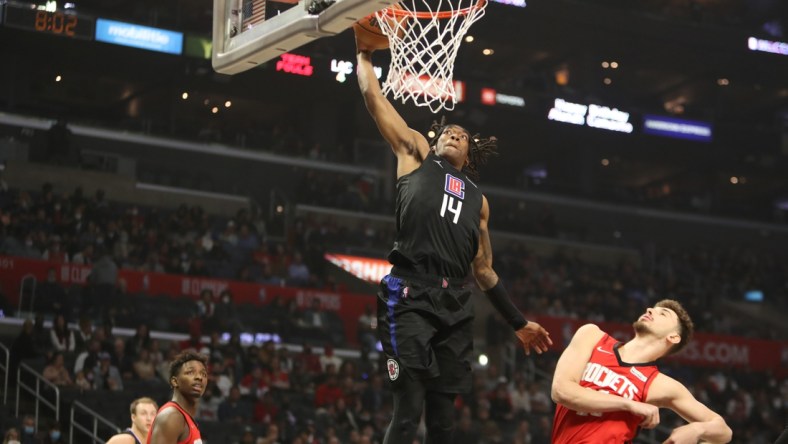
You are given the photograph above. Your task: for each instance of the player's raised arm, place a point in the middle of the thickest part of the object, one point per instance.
(531, 335)
(704, 424)
(409, 146)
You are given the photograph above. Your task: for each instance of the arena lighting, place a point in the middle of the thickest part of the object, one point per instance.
(295, 64)
(483, 360)
(761, 45)
(595, 116)
(185, 96)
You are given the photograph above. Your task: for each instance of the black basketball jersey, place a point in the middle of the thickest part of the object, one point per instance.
(438, 212)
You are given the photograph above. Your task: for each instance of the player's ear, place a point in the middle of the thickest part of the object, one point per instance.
(174, 382)
(674, 338)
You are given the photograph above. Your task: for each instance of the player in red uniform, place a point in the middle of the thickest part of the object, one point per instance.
(174, 423)
(606, 389)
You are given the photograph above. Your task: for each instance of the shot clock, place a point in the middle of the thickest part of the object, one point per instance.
(66, 24)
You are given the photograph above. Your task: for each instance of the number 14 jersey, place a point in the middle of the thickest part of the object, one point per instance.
(438, 212)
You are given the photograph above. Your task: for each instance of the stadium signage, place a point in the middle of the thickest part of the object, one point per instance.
(295, 64)
(677, 128)
(491, 97)
(595, 116)
(137, 36)
(343, 68)
(365, 268)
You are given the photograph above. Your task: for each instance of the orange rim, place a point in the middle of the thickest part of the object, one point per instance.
(427, 15)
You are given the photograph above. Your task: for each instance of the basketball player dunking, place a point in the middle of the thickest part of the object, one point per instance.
(605, 390)
(174, 423)
(425, 312)
(143, 410)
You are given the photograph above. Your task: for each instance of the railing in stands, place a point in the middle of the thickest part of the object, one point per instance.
(97, 420)
(36, 391)
(5, 362)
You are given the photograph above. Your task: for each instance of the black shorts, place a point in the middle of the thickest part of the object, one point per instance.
(427, 331)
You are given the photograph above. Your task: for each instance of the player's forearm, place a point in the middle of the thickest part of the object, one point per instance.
(715, 431)
(581, 399)
(367, 81)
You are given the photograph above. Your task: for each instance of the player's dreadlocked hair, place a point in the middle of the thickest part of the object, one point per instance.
(480, 149)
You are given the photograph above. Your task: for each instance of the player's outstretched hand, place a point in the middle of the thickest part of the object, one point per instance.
(534, 336)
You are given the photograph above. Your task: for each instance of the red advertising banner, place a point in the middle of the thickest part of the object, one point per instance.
(705, 350)
(13, 270)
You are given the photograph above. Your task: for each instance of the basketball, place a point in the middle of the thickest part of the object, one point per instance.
(369, 33)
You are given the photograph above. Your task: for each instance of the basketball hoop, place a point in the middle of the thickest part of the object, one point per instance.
(424, 39)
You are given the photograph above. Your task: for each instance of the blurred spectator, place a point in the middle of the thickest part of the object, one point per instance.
(23, 347)
(368, 328)
(84, 333)
(297, 271)
(11, 436)
(144, 368)
(234, 409)
(141, 340)
(61, 337)
(28, 428)
(107, 376)
(122, 360)
(56, 371)
(329, 358)
(51, 297)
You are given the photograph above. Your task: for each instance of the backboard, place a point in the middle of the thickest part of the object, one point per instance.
(243, 38)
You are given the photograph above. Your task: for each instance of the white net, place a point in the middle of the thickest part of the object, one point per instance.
(424, 38)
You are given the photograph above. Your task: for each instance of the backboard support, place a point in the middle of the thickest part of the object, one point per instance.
(239, 45)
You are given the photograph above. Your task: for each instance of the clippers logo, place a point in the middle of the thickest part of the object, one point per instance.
(455, 186)
(393, 368)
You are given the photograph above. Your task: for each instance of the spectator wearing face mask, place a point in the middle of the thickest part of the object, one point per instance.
(28, 435)
(53, 435)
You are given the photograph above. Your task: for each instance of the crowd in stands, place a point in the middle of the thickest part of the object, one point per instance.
(276, 395)
(271, 394)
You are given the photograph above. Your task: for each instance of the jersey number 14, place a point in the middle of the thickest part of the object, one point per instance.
(451, 205)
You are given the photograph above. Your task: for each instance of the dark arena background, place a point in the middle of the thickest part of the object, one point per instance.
(152, 205)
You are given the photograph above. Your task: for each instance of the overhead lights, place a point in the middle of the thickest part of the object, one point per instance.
(58, 78)
(614, 65)
(734, 180)
(185, 95)
(488, 51)
(607, 81)
(215, 110)
(605, 162)
(605, 65)
(228, 104)
(469, 38)
(723, 81)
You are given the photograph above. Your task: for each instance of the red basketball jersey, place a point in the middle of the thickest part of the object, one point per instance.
(194, 432)
(605, 372)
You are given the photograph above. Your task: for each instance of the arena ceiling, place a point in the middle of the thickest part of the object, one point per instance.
(684, 59)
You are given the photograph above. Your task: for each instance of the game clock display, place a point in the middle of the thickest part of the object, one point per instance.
(61, 23)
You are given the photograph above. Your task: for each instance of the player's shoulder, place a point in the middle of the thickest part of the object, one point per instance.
(168, 412)
(588, 333)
